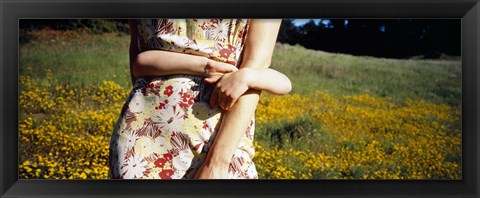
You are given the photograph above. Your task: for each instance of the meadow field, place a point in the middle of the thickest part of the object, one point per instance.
(347, 117)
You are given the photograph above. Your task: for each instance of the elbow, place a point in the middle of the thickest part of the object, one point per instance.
(288, 86)
(134, 68)
(139, 63)
(285, 88)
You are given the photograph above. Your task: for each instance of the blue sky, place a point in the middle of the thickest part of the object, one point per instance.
(300, 22)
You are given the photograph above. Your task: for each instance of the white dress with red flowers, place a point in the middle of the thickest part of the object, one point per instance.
(165, 128)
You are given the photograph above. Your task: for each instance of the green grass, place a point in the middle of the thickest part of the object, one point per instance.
(105, 57)
(89, 60)
(300, 134)
(78, 62)
(437, 81)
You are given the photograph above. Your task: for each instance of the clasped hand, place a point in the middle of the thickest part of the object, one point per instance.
(230, 83)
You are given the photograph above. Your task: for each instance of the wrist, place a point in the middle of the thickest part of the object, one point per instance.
(218, 158)
(203, 70)
(250, 76)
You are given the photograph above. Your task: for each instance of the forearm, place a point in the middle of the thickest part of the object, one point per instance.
(162, 63)
(268, 80)
(133, 49)
(133, 52)
(233, 125)
(235, 121)
(257, 54)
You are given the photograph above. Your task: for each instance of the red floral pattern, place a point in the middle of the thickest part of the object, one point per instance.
(171, 35)
(166, 127)
(168, 91)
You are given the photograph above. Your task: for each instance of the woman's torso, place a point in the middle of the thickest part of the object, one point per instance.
(165, 127)
(218, 39)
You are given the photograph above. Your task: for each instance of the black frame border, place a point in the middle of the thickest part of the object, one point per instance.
(11, 11)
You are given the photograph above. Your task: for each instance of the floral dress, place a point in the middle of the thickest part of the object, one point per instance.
(166, 128)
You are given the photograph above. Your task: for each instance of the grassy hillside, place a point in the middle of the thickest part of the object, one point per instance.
(82, 59)
(347, 116)
(79, 59)
(436, 81)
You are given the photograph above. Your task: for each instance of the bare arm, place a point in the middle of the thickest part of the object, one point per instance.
(133, 50)
(162, 63)
(264, 79)
(268, 80)
(258, 51)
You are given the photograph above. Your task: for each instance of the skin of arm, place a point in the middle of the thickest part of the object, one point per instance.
(258, 50)
(268, 80)
(162, 63)
(133, 50)
(233, 85)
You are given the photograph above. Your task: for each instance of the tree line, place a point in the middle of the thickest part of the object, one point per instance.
(94, 26)
(394, 38)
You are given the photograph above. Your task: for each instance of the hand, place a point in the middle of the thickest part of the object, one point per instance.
(230, 87)
(209, 171)
(214, 70)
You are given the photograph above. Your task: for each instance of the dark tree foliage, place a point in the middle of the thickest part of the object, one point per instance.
(288, 33)
(395, 38)
(95, 26)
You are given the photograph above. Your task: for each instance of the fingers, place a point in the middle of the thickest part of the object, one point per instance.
(224, 94)
(213, 98)
(227, 68)
(221, 99)
(225, 101)
(230, 104)
(233, 68)
(221, 67)
(213, 79)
